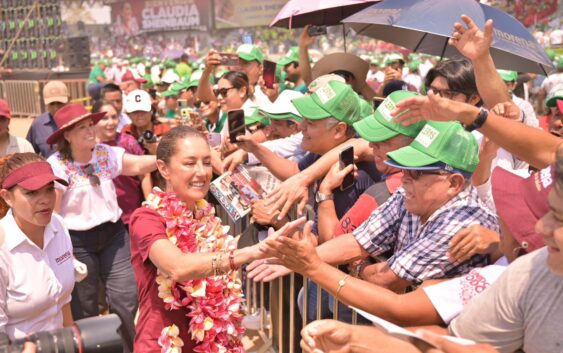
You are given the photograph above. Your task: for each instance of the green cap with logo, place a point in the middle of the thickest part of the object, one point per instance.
(252, 116)
(508, 75)
(439, 145)
(250, 52)
(381, 126)
(292, 56)
(333, 99)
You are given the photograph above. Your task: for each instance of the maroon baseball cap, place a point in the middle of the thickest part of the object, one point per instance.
(521, 202)
(32, 176)
(128, 76)
(5, 109)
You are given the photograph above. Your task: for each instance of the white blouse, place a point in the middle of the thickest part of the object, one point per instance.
(83, 205)
(35, 283)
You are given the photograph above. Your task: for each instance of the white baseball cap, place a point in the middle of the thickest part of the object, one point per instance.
(138, 100)
(283, 105)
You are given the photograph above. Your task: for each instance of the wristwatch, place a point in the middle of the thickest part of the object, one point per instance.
(479, 121)
(320, 197)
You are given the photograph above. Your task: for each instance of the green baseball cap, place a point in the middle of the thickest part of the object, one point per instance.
(554, 95)
(414, 65)
(250, 52)
(559, 61)
(252, 116)
(366, 109)
(381, 126)
(391, 58)
(508, 75)
(439, 145)
(334, 99)
(292, 56)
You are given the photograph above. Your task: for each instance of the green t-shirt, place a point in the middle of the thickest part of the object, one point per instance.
(96, 71)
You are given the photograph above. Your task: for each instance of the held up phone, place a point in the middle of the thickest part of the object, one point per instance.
(235, 118)
(315, 31)
(347, 158)
(269, 73)
(229, 59)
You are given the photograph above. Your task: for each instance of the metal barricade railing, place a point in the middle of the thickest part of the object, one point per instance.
(25, 97)
(280, 331)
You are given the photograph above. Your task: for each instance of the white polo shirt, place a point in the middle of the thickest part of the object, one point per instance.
(35, 283)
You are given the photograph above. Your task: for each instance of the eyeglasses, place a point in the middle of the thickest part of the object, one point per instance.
(92, 178)
(222, 91)
(446, 93)
(416, 174)
(198, 104)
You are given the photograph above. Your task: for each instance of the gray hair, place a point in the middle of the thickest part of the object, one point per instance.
(331, 121)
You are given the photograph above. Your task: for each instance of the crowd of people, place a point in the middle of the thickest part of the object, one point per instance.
(448, 219)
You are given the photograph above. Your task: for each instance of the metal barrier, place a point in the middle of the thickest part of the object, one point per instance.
(26, 97)
(280, 330)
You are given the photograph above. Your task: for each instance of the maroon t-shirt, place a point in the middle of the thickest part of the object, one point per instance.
(146, 227)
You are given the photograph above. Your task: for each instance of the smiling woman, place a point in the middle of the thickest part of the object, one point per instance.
(91, 212)
(36, 252)
(185, 263)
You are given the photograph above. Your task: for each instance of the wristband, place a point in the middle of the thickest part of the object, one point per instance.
(479, 121)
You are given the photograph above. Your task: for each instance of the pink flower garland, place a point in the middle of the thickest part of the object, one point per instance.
(213, 302)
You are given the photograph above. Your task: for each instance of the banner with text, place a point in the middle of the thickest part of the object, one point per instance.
(246, 13)
(137, 16)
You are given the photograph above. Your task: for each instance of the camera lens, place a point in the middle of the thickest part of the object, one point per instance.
(148, 135)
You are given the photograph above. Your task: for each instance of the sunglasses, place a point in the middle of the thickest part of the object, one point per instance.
(92, 178)
(198, 104)
(416, 174)
(222, 91)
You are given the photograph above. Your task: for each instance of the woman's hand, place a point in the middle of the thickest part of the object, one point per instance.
(334, 177)
(473, 240)
(327, 336)
(264, 271)
(264, 249)
(298, 253)
(471, 42)
(212, 60)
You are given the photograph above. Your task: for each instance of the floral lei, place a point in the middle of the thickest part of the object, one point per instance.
(213, 303)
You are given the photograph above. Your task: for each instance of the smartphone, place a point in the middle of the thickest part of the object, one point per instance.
(235, 119)
(269, 73)
(229, 59)
(314, 31)
(347, 158)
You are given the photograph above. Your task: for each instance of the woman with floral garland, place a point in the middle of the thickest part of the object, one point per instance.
(185, 263)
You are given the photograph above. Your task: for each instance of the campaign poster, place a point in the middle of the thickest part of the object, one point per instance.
(246, 13)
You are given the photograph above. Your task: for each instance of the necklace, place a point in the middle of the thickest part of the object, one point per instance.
(214, 302)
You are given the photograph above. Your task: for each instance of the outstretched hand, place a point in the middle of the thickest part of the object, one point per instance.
(429, 107)
(293, 190)
(470, 41)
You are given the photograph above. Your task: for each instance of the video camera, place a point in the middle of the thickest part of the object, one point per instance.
(92, 335)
